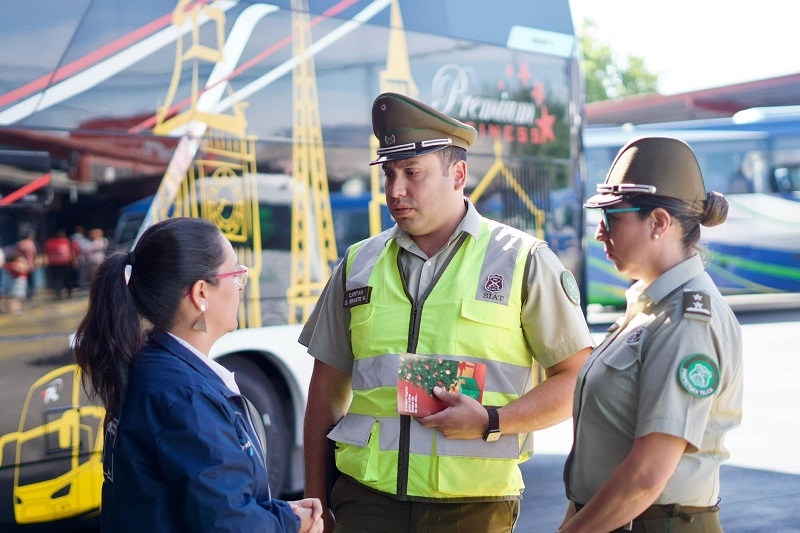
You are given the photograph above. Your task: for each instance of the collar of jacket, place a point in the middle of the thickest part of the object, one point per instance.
(167, 342)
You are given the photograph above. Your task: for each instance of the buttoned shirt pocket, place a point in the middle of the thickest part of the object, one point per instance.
(482, 325)
(621, 359)
(621, 374)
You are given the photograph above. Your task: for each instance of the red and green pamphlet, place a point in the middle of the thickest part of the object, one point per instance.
(417, 375)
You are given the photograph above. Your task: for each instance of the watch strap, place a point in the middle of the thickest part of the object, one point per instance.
(493, 430)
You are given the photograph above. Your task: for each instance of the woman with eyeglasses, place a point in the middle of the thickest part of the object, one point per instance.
(184, 449)
(655, 399)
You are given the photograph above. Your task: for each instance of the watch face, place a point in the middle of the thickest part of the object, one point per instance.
(492, 436)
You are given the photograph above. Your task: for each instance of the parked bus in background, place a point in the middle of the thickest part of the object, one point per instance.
(754, 159)
(255, 115)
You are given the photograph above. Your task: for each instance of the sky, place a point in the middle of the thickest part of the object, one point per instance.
(699, 44)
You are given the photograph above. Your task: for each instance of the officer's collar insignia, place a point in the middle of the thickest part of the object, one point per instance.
(570, 287)
(635, 336)
(698, 374)
(494, 283)
(696, 305)
(359, 296)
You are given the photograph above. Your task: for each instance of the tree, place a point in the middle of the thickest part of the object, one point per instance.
(607, 78)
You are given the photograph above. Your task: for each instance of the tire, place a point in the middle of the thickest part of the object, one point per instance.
(268, 393)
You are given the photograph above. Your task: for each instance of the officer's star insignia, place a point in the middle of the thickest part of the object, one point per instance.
(696, 305)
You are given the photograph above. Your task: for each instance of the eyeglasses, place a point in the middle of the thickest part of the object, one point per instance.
(607, 221)
(240, 276)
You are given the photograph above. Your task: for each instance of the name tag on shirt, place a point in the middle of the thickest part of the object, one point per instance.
(359, 296)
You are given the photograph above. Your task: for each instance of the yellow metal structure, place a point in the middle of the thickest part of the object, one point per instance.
(499, 168)
(220, 186)
(313, 240)
(396, 78)
(68, 434)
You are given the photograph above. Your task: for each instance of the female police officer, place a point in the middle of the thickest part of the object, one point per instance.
(655, 399)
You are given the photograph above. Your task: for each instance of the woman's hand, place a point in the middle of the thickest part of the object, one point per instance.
(310, 512)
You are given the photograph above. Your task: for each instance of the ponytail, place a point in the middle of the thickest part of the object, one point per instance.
(110, 335)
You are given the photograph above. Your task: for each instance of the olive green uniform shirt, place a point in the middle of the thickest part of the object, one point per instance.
(644, 378)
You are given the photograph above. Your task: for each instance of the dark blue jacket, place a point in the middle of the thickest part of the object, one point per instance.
(182, 455)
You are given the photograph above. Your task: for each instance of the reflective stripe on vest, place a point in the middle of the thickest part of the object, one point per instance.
(470, 314)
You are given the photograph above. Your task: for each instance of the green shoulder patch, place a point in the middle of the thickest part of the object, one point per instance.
(570, 287)
(698, 374)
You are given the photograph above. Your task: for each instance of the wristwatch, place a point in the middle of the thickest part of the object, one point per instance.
(493, 431)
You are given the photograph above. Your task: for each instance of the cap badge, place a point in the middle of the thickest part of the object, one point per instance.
(494, 283)
(389, 139)
(698, 375)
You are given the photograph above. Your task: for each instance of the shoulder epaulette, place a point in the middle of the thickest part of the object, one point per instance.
(696, 305)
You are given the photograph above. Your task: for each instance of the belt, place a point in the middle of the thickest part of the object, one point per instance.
(670, 510)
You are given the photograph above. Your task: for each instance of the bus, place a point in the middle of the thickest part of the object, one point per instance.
(255, 115)
(753, 158)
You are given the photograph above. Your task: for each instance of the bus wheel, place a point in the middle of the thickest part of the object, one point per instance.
(265, 393)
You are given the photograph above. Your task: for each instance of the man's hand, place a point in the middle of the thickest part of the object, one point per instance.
(465, 418)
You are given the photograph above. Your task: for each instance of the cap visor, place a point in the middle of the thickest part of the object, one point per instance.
(406, 155)
(602, 200)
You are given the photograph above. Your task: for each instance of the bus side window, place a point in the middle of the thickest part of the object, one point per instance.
(782, 179)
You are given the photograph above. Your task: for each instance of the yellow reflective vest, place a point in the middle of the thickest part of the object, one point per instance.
(470, 313)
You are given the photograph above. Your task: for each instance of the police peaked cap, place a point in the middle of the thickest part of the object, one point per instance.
(407, 128)
(651, 165)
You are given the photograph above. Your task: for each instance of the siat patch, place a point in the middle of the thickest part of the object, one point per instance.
(696, 305)
(698, 375)
(570, 287)
(494, 283)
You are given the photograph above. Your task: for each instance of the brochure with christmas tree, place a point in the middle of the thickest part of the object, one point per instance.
(417, 375)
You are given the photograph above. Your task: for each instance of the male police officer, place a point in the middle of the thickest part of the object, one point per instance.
(448, 282)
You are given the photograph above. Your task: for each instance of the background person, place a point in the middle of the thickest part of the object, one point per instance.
(2, 275)
(17, 284)
(449, 282)
(181, 451)
(29, 250)
(94, 252)
(654, 401)
(80, 243)
(61, 262)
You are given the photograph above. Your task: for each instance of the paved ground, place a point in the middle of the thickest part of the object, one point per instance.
(753, 501)
(760, 485)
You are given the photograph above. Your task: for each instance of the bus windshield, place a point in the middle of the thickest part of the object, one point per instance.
(753, 158)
